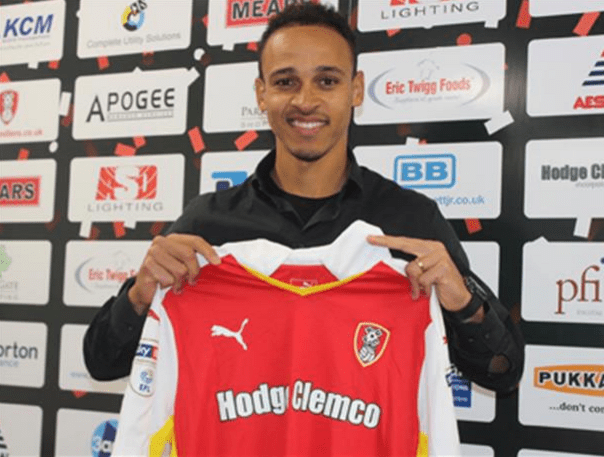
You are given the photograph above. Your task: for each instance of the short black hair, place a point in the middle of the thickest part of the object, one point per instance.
(309, 14)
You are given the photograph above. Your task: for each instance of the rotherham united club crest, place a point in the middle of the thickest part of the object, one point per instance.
(370, 341)
(8, 105)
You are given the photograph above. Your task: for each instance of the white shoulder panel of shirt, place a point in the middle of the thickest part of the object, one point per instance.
(348, 255)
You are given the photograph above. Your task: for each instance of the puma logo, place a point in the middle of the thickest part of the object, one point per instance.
(219, 330)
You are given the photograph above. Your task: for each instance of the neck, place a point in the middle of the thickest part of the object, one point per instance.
(321, 178)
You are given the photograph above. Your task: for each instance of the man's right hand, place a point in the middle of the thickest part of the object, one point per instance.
(169, 262)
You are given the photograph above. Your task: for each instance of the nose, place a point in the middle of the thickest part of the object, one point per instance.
(305, 98)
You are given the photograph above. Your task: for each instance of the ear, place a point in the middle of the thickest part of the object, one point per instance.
(260, 87)
(358, 89)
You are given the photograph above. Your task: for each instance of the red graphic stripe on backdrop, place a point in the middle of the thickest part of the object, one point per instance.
(50, 226)
(252, 46)
(196, 139)
(54, 64)
(392, 32)
(139, 141)
(473, 225)
(90, 149)
(122, 149)
(23, 154)
(464, 39)
(204, 20)
(148, 58)
(78, 393)
(119, 229)
(353, 18)
(246, 139)
(94, 233)
(103, 62)
(4, 77)
(585, 24)
(66, 120)
(156, 228)
(524, 18)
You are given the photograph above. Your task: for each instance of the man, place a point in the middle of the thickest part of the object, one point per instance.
(305, 193)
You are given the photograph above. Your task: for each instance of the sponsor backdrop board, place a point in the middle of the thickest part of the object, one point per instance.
(95, 270)
(243, 114)
(25, 272)
(473, 450)
(556, 8)
(22, 119)
(431, 85)
(389, 14)
(145, 188)
(133, 27)
(571, 277)
(27, 190)
(562, 387)
(563, 185)
(72, 371)
(222, 170)
(84, 433)
(31, 33)
(20, 430)
(132, 104)
(237, 21)
(22, 353)
(463, 178)
(579, 88)
(114, 115)
(535, 453)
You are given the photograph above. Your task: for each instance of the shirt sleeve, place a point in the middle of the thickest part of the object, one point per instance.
(146, 425)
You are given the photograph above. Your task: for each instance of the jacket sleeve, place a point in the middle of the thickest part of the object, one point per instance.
(112, 337)
(491, 353)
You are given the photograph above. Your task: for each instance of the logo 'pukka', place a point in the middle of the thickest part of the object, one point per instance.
(370, 341)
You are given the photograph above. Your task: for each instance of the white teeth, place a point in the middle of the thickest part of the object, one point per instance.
(307, 125)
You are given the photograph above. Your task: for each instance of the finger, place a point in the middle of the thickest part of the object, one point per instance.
(156, 273)
(178, 264)
(434, 278)
(206, 250)
(184, 248)
(413, 246)
(413, 273)
(185, 243)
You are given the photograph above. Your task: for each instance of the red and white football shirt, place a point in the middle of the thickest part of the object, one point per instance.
(306, 352)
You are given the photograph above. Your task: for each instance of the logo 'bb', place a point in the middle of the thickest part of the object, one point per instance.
(127, 183)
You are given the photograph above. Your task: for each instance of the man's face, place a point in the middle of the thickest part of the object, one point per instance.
(308, 90)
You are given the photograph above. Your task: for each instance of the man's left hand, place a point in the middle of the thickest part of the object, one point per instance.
(432, 266)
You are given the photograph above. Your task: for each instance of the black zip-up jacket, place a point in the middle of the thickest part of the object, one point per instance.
(259, 209)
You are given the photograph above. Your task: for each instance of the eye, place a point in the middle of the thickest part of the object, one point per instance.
(284, 83)
(328, 81)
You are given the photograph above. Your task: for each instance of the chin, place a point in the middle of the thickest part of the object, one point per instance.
(306, 155)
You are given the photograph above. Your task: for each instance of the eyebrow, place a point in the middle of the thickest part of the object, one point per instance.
(319, 69)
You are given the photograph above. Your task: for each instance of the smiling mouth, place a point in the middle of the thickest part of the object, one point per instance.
(307, 127)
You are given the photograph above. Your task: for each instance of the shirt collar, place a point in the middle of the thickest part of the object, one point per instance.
(262, 180)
